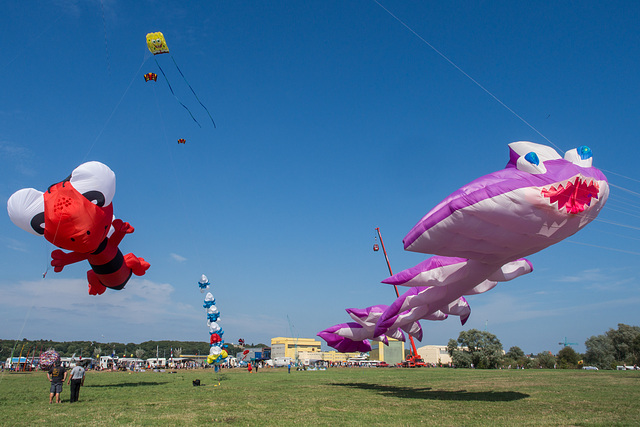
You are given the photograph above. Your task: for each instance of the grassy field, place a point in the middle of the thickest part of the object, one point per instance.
(340, 396)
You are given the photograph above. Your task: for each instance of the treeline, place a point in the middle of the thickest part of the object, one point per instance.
(142, 350)
(615, 347)
(481, 349)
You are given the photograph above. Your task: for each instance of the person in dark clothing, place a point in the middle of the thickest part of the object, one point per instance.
(76, 379)
(56, 375)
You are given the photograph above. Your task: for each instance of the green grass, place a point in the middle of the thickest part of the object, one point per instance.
(340, 396)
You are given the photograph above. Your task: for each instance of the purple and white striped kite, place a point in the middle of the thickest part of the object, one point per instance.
(481, 233)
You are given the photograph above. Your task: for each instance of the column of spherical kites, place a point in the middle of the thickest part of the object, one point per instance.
(217, 352)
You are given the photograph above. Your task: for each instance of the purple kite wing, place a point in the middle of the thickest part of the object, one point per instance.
(350, 330)
(435, 271)
(507, 272)
(345, 345)
(396, 335)
(334, 336)
(459, 307)
(438, 315)
(511, 270)
(414, 329)
(410, 307)
(481, 288)
(439, 282)
(383, 339)
(445, 271)
(367, 316)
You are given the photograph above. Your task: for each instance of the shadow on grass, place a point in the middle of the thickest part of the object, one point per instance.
(430, 394)
(138, 384)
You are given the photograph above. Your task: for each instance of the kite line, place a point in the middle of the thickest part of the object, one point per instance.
(466, 75)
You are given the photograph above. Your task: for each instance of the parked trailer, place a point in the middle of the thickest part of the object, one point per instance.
(281, 361)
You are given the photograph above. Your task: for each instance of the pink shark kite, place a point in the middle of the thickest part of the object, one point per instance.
(481, 233)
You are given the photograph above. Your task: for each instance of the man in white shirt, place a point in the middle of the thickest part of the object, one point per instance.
(76, 379)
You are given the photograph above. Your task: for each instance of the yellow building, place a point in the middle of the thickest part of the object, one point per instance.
(305, 350)
(334, 356)
(392, 354)
(307, 357)
(288, 347)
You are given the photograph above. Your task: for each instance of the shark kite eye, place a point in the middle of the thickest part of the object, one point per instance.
(580, 156)
(532, 158)
(584, 152)
(531, 163)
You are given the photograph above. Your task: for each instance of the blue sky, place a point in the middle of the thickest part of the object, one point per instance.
(332, 119)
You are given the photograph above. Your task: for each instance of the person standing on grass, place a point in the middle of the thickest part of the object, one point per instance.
(249, 368)
(56, 375)
(289, 367)
(76, 379)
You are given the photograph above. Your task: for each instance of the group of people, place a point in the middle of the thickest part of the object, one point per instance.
(57, 375)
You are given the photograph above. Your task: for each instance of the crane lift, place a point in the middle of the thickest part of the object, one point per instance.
(566, 344)
(413, 359)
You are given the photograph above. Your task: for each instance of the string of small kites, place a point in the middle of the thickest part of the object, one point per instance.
(157, 46)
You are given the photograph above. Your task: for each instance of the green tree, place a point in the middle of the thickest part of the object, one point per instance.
(515, 353)
(568, 358)
(515, 357)
(622, 341)
(480, 348)
(462, 359)
(635, 348)
(600, 352)
(545, 360)
(452, 347)
(459, 358)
